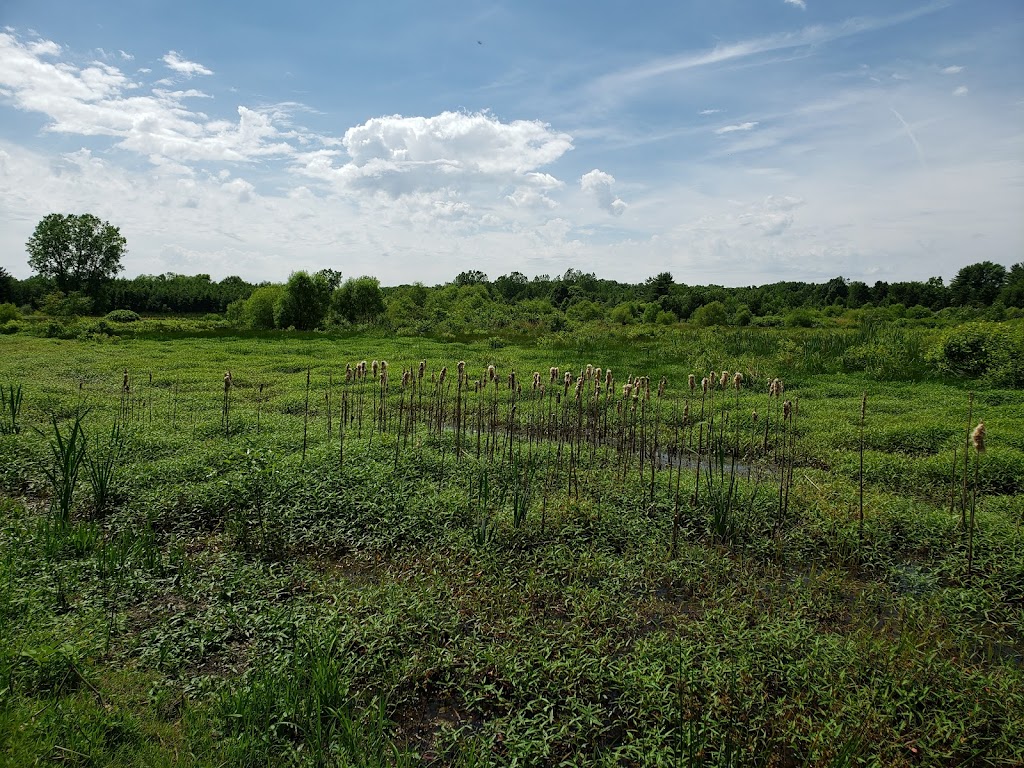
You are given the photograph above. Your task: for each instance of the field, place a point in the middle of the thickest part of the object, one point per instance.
(313, 564)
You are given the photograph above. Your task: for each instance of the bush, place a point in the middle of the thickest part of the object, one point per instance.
(9, 327)
(800, 318)
(122, 316)
(710, 314)
(8, 312)
(990, 351)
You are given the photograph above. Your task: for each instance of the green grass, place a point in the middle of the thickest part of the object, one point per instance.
(406, 600)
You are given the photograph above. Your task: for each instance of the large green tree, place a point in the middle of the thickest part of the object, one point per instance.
(358, 300)
(304, 301)
(78, 252)
(978, 284)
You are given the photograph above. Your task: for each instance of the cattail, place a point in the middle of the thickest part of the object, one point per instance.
(609, 380)
(423, 368)
(579, 387)
(661, 386)
(227, 381)
(462, 369)
(384, 366)
(686, 411)
(704, 385)
(125, 385)
(512, 379)
(588, 372)
(362, 369)
(491, 375)
(444, 375)
(627, 391)
(375, 367)
(692, 381)
(737, 381)
(978, 437)
(754, 416)
(348, 372)
(787, 410)
(553, 373)
(723, 380)
(536, 380)
(406, 377)
(598, 376)
(567, 379)
(712, 378)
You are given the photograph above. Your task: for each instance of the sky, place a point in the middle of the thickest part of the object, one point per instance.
(730, 142)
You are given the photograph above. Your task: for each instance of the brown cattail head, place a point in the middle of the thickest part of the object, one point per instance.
(787, 410)
(553, 372)
(462, 369)
(978, 437)
(536, 380)
(125, 385)
(737, 381)
(598, 375)
(579, 387)
(754, 416)
(686, 411)
(491, 375)
(704, 385)
(376, 367)
(567, 379)
(348, 372)
(627, 391)
(444, 375)
(384, 366)
(227, 381)
(723, 380)
(423, 368)
(512, 379)
(588, 372)
(692, 381)
(661, 386)
(609, 380)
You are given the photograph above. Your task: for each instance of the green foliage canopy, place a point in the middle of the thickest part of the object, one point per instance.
(78, 252)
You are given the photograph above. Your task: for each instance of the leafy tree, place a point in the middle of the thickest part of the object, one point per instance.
(978, 284)
(659, 286)
(303, 302)
(6, 286)
(713, 313)
(1013, 294)
(471, 277)
(358, 300)
(80, 253)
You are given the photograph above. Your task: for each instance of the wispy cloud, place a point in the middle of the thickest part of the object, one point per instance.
(184, 67)
(801, 4)
(961, 90)
(709, 111)
(814, 35)
(739, 127)
(953, 70)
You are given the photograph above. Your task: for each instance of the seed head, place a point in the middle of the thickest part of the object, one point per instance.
(737, 381)
(627, 391)
(491, 375)
(723, 380)
(376, 367)
(661, 386)
(754, 416)
(692, 381)
(553, 372)
(978, 437)
(787, 410)
(704, 385)
(423, 368)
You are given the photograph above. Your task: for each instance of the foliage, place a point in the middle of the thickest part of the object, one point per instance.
(978, 284)
(78, 252)
(712, 313)
(358, 301)
(123, 316)
(991, 351)
(8, 312)
(303, 303)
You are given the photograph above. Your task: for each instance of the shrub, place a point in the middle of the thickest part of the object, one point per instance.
(122, 316)
(710, 314)
(8, 312)
(9, 327)
(990, 351)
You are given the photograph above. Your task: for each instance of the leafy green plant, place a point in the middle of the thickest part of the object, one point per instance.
(103, 460)
(10, 408)
(68, 453)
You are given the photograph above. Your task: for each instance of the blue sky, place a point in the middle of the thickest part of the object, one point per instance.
(735, 142)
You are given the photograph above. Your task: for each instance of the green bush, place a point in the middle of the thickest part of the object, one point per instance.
(122, 316)
(993, 352)
(9, 327)
(8, 312)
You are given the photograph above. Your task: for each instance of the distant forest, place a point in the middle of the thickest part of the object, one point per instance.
(473, 302)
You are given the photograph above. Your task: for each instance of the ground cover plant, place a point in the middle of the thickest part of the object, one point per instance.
(673, 548)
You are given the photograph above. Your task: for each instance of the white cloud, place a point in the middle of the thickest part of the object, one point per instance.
(953, 70)
(599, 184)
(184, 67)
(801, 4)
(709, 111)
(960, 90)
(739, 127)
(126, 56)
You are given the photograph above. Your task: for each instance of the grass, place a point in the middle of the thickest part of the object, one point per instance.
(552, 592)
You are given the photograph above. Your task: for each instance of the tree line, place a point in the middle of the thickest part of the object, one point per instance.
(76, 259)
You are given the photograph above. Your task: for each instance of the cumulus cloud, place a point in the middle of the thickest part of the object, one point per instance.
(400, 155)
(184, 67)
(599, 184)
(953, 70)
(961, 90)
(733, 128)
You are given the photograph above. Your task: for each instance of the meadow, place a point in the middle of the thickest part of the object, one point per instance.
(231, 548)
